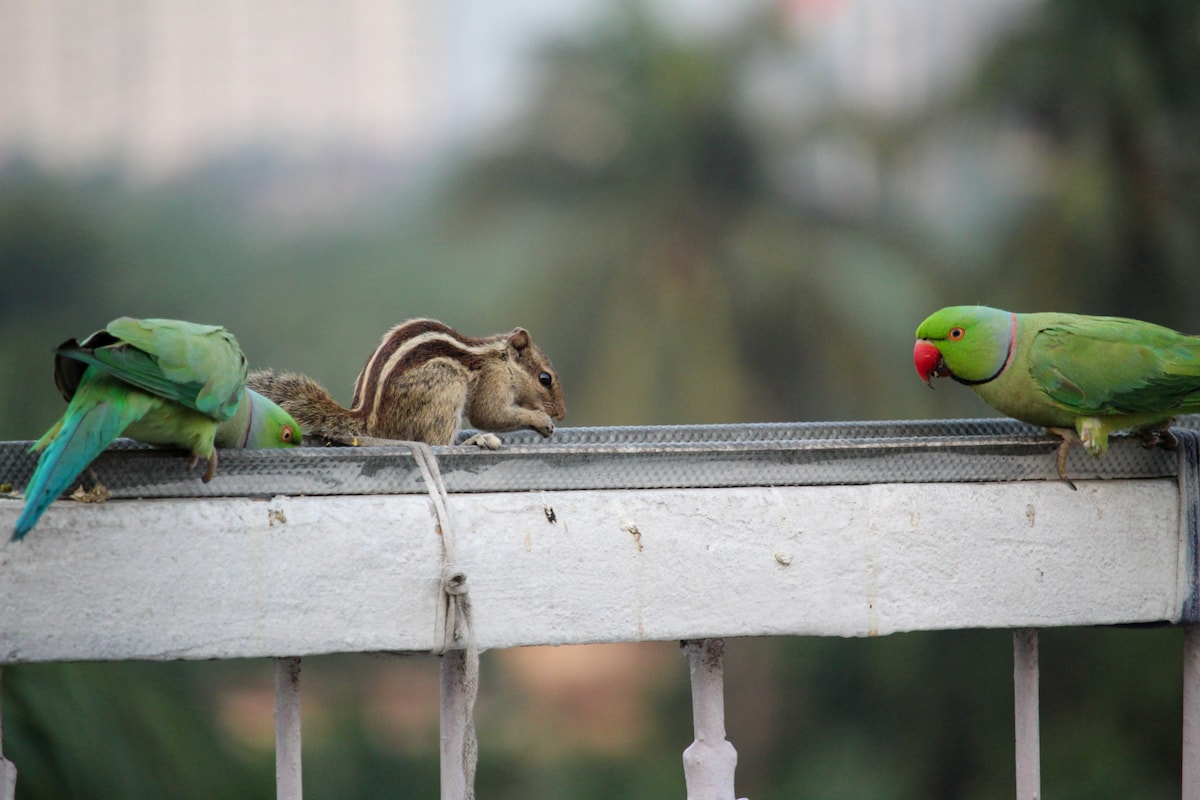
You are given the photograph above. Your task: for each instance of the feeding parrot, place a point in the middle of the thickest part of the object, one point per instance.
(160, 381)
(1081, 377)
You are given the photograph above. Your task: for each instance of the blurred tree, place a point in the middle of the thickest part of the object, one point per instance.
(119, 730)
(1110, 94)
(635, 163)
(688, 286)
(47, 237)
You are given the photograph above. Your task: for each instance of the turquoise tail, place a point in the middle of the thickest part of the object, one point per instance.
(84, 435)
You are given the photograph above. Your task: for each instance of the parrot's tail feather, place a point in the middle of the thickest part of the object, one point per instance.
(81, 437)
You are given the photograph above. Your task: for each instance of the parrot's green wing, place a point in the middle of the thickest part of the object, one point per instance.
(199, 366)
(1108, 365)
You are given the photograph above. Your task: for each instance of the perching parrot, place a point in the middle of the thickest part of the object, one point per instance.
(160, 381)
(1081, 377)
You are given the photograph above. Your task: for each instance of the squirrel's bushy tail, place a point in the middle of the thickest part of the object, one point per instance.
(310, 404)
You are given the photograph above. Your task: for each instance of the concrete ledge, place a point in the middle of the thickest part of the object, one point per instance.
(242, 577)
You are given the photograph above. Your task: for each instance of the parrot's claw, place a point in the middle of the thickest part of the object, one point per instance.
(1069, 437)
(212, 466)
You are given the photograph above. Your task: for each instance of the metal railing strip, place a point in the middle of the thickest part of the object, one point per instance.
(1026, 713)
(706, 456)
(288, 772)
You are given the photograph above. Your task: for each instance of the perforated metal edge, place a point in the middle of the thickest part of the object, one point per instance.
(703, 456)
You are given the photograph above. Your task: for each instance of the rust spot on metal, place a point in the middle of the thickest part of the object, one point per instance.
(292, 666)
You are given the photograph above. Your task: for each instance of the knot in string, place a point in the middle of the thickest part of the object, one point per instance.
(453, 621)
(455, 582)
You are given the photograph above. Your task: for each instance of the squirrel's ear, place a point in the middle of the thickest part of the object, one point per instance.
(519, 339)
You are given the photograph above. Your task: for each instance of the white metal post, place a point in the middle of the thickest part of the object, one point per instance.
(1191, 713)
(8, 770)
(288, 782)
(708, 762)
(1025, 697)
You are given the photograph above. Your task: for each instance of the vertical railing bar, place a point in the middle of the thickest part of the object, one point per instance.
(454, 719)
(1025, 703)
(8, 770)
(1189, 610)
(288, 776)
(710, 761)
(1191, 712)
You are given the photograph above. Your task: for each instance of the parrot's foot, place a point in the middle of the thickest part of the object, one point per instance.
(1069, 437)
(1160, 437)
(1093, 435)
(212, 465)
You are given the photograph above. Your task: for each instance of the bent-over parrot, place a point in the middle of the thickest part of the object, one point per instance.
(1081, 377)
(160, 381)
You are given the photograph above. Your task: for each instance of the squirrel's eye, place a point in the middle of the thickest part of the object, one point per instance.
(545, 379)
(956, 334)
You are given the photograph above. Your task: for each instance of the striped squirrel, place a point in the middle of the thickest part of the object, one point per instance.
(419, 383)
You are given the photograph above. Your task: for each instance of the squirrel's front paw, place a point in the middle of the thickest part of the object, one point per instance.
(488, 441)
(544, 426)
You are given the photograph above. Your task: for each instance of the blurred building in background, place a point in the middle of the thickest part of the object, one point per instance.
(156, 88)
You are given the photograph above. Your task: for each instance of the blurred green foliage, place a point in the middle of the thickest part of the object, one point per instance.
(683, 255)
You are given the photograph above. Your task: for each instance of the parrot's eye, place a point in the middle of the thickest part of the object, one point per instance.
(287, 433)
(956, 334)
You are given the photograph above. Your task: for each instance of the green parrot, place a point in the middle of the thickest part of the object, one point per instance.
(160, 381)
(1083, 378)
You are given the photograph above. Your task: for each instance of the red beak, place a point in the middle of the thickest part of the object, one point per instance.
(928, 361)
